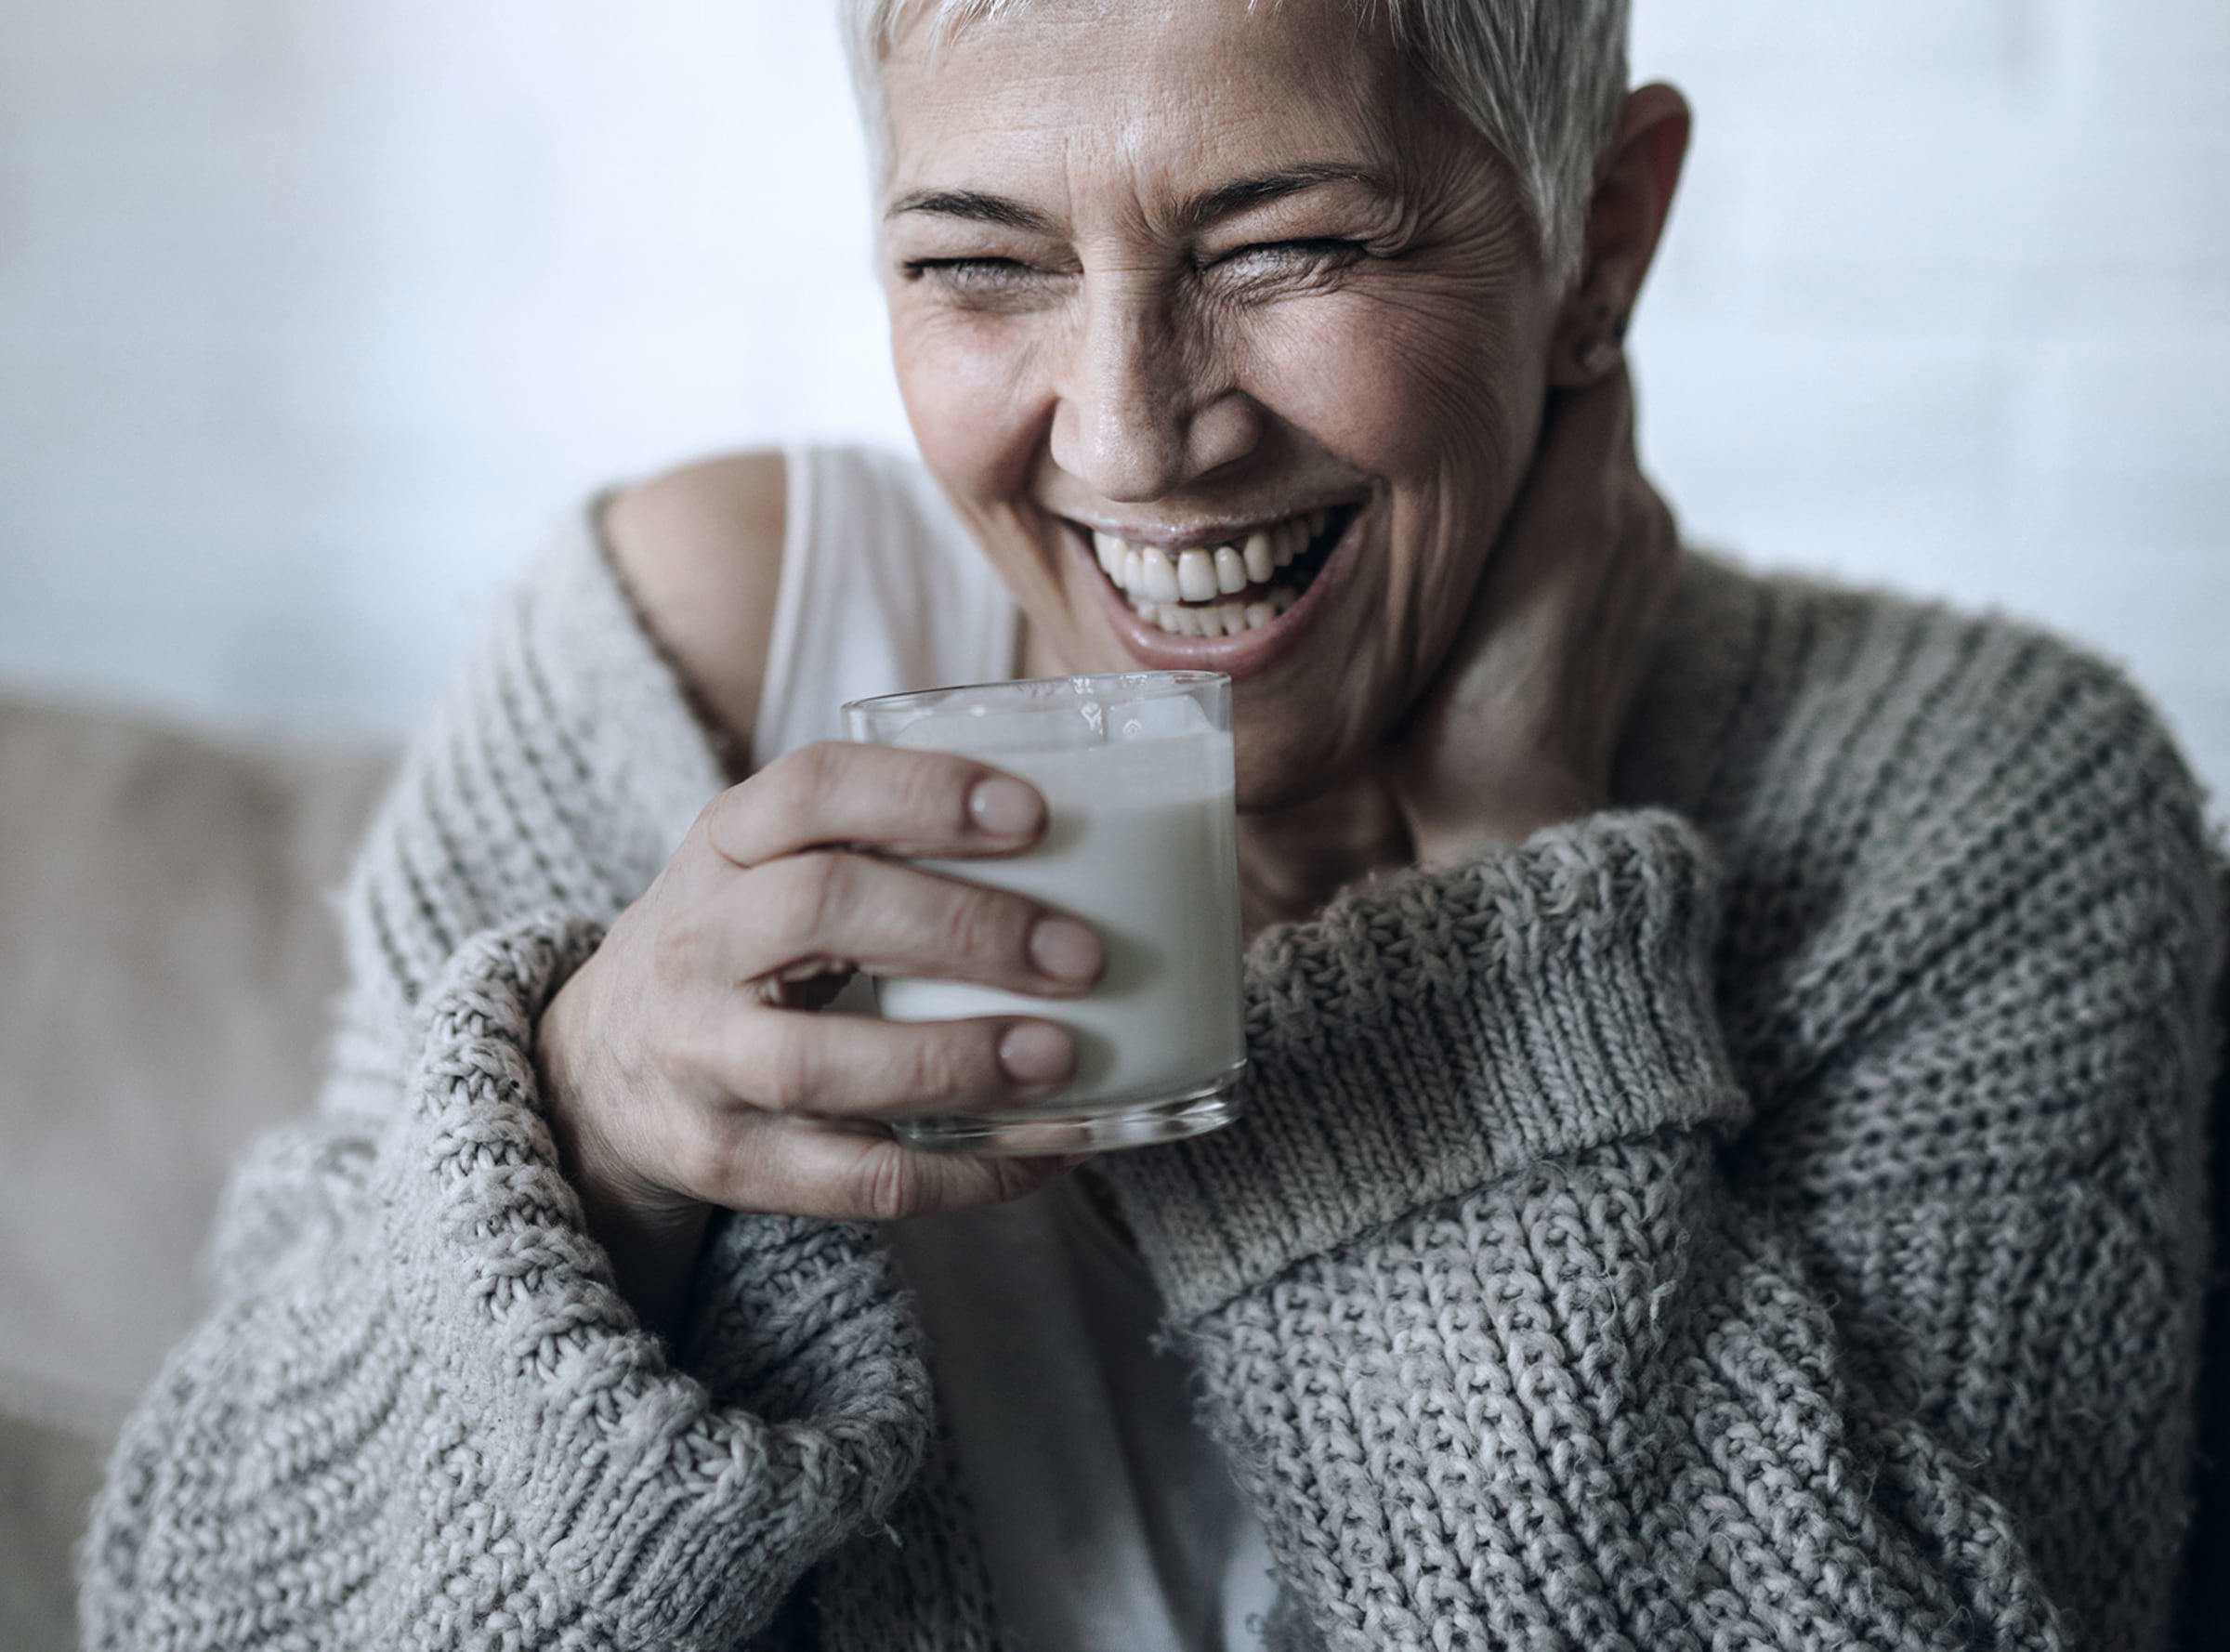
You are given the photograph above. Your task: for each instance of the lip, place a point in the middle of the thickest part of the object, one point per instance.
(1201, 536)
(1237, 657)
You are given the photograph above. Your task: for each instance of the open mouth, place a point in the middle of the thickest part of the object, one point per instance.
(1224, 590)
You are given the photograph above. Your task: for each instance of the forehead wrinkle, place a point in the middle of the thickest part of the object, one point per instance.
(1141, 158)
(1149, 186)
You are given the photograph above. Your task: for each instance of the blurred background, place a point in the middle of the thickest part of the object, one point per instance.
(317, 314)
(314, 317)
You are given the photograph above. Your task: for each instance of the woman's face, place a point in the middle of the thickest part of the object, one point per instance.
(1193, 276)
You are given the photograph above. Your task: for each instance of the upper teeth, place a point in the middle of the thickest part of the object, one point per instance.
(1261, 557)
(1202, 575)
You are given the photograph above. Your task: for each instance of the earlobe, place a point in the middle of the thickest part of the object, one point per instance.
(1590, 344)
(1596, 356)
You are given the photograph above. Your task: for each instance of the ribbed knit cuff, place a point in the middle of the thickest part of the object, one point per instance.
(674, 1516)
(1434, 1033)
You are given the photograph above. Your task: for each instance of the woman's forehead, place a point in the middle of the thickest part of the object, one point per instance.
(1151, 97)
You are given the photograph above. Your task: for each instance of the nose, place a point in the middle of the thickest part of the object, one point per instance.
(1143, 409)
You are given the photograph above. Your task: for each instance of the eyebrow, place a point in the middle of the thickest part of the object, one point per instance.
(1202, 210)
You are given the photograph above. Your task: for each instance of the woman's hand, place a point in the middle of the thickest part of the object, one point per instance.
(1519, 730)
(684, 1065)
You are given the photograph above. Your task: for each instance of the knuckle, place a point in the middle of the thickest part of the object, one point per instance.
(675, 951)
(675, 958)
(788, 1076)
(991, 927)
(733, 822)
(811, 890)
(934, 793)
(713, 820)
(703, 1159)
(939, 1069)
(808, 776)
(888, 1186)
(782, 790)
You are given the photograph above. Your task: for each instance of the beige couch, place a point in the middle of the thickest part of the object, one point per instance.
(165, 965)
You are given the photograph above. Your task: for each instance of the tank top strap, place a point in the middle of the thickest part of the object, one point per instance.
(882, 590)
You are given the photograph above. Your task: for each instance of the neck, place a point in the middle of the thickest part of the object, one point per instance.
(1292, 861)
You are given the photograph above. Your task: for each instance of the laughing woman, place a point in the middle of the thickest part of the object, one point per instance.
(1721, 1158)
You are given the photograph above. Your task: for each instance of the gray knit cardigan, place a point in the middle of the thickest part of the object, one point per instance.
(1767, 1213)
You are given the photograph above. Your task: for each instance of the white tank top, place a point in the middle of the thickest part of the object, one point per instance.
(1108, 1518)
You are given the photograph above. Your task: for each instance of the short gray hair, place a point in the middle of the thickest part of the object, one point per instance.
(1541, 80)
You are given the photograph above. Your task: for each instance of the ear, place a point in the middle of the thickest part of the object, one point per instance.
(1634, 194)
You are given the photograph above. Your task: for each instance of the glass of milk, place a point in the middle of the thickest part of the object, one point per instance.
(1141, 843)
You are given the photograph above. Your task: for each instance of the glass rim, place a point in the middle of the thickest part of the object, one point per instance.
(1134, 685)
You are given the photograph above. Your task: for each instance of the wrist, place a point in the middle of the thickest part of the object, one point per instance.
(654, 1253)
(649, 1234)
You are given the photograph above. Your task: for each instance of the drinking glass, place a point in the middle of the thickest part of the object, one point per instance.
(1141, 843)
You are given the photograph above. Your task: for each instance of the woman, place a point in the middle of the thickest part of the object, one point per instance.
(1729, 1054)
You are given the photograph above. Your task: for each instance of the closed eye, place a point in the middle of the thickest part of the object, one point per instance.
(1286, 252)
(981, 276)
(970, 274)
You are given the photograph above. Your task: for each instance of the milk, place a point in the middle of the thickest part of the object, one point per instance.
(1140, 843)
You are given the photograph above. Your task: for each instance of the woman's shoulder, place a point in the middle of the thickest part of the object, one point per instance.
(1925, 787)
(616, 687)
(1867, 698)
(1951, 839)
(742, 562)
(699, 550)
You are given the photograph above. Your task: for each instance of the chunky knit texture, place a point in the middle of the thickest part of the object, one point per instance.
(1767, 1213)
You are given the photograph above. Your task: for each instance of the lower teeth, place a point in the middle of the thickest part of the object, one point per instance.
(1215, 619)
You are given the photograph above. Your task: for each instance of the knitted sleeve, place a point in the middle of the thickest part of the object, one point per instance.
(1533, 1314)
(419, 1414)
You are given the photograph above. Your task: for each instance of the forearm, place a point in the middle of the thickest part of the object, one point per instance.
(434, 1410)
(1499, 1340)
(1601, 1401)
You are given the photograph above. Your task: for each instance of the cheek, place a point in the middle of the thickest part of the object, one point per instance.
(1415, 388)
(1435, 394)
(963, 380)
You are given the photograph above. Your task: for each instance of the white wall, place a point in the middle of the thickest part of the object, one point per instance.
(314, 315)
(1946, 303)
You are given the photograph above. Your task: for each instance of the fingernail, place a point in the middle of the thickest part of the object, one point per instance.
(1003, 807)
(1034, 1053)
(1065, 949)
